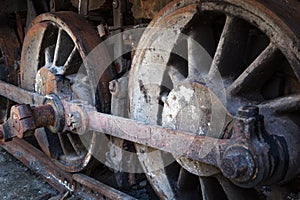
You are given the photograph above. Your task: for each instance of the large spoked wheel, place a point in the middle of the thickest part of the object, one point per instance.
(246, 53)
(54, 61)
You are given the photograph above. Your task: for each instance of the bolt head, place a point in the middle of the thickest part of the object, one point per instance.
(234, 166)
(74, 121)
(237, 164)
(113, 86)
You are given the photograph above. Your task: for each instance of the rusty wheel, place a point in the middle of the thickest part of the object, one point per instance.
(55, 48)
(245, 53)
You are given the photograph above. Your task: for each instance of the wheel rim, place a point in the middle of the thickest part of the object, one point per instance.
(54, 51)
(255, 55)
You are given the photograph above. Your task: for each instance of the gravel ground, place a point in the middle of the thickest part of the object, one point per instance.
(18, 182)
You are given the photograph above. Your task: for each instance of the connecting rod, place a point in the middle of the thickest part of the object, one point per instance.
(250, 157)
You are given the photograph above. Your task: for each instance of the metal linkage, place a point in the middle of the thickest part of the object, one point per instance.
(250, 157)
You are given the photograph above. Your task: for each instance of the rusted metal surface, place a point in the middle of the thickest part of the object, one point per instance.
(245, 158)
(118, 11)
(249, 157)
(273, 21)
(83, 37)
(40, 163)
(64, 59)
(9, 48)
(147, 134)
(145, 89)
(244, 154)
(23, 123)
(147, 9)
(116, 157)
(20, 95)
(43, 116)
(187, 98)
(153, 136)
(24, 120)
(101, 188)
(262, 22)
(77, 184)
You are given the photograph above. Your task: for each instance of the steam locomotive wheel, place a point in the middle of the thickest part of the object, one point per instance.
(242, 51)
(55, 48)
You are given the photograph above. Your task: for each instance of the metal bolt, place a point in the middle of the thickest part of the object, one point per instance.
(234, 166)
(248, 111)
(237, 164)
(113, 86)
(68, 121)
(73, 121)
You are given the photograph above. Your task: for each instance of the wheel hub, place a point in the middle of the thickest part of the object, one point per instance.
(47, 82)
(208, 119)
(189, 98)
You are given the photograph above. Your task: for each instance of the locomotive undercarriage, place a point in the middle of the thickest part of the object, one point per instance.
(208, 108)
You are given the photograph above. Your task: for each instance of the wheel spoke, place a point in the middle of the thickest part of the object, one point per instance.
(186, 180)
(65, 147)
(153, 166)
(43, 140)
(211, 189)
(282, 105)
(199, 60)
(175, 75)
(258, 72)
(233, 192)
(187, 185)
(74, 145)
(70, 59)
(48, 57)
(200, 47)
(57, 46)
(230, 51)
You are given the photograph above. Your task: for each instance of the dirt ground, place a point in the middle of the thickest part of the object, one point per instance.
(17, 182)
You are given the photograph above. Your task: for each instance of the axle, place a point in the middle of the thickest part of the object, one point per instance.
(24, 120)
(250, 157)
